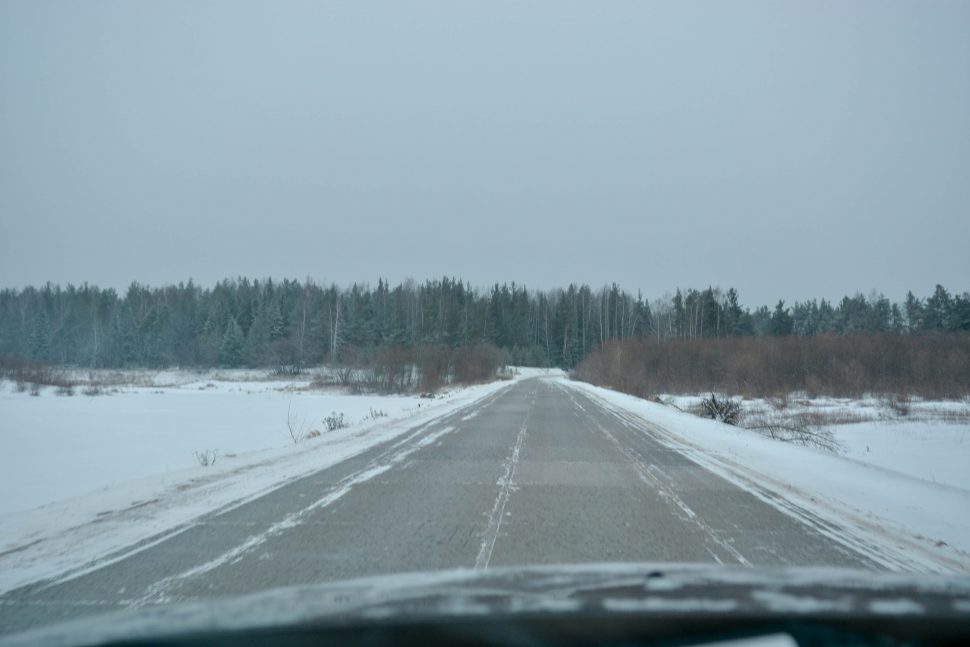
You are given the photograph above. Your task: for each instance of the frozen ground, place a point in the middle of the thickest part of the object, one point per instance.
(83, 476)
(931, 442)
(934, 452)
(901, 484)
(69, 446)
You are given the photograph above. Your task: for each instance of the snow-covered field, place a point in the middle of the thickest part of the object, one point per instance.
(60, 447)
(127, 460)
(901, 485)
(931, 442)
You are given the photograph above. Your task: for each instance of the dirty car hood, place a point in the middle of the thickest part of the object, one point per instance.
(622, 590)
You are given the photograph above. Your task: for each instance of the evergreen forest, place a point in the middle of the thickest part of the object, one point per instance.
(266, 323)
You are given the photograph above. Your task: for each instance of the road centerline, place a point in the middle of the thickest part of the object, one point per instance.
(506, 483)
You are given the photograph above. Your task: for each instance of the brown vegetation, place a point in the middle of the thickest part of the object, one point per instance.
(931, 366)
(424, 368)
(36, 374)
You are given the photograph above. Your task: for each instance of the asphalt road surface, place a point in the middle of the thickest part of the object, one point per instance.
(536, 474)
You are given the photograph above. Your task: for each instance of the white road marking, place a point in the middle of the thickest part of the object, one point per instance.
(505, 483)
(157, 592)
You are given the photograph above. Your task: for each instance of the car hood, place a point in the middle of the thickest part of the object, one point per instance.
(651, 590)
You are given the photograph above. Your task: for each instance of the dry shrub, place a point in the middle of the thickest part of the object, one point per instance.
(348, 371)
(477, 362)
(931, 366)
(334, 422)
(206, 457)
(898, 404)
(391, 370)
(793, 430)
(816, 417)
(24, 372)
(434, 366)
(724, 410)
(286, 370)
(323, 380)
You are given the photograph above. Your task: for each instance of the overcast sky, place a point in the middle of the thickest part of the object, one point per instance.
(791, 150)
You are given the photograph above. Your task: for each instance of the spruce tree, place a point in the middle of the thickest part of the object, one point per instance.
(781, 321)
(231, 352)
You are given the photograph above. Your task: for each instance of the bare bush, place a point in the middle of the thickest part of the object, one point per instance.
(428, 367)
(377, 413)
(900, 405)
(792, 430)
(206, 457)
(348, 372)
(781, 402)
(816, 417)
(724, 410)
(434, 366)
(930, 366)
(345, 375)
(954, 417)
(323, 379)
(92, 390)
(297, 428)
(33, 375)
(669, 402)
(391, 370)
(478, 362)
(287, 370)
(335, 421)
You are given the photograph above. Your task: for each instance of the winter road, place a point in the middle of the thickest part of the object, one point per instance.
(536, 473)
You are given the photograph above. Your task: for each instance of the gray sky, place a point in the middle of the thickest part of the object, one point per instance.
(788, 149)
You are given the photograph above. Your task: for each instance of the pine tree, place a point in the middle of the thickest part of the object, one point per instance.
(936, 314)
(960, 312)
(913, 308)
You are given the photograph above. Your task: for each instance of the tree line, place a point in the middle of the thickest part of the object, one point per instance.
(243, 322)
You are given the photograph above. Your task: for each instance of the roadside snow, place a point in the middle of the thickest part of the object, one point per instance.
(931, 443)
(59, 447)
(84, 477)
(934, 452)
(905, 502)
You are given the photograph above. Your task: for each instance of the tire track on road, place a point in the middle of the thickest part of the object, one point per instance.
(506, 484)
